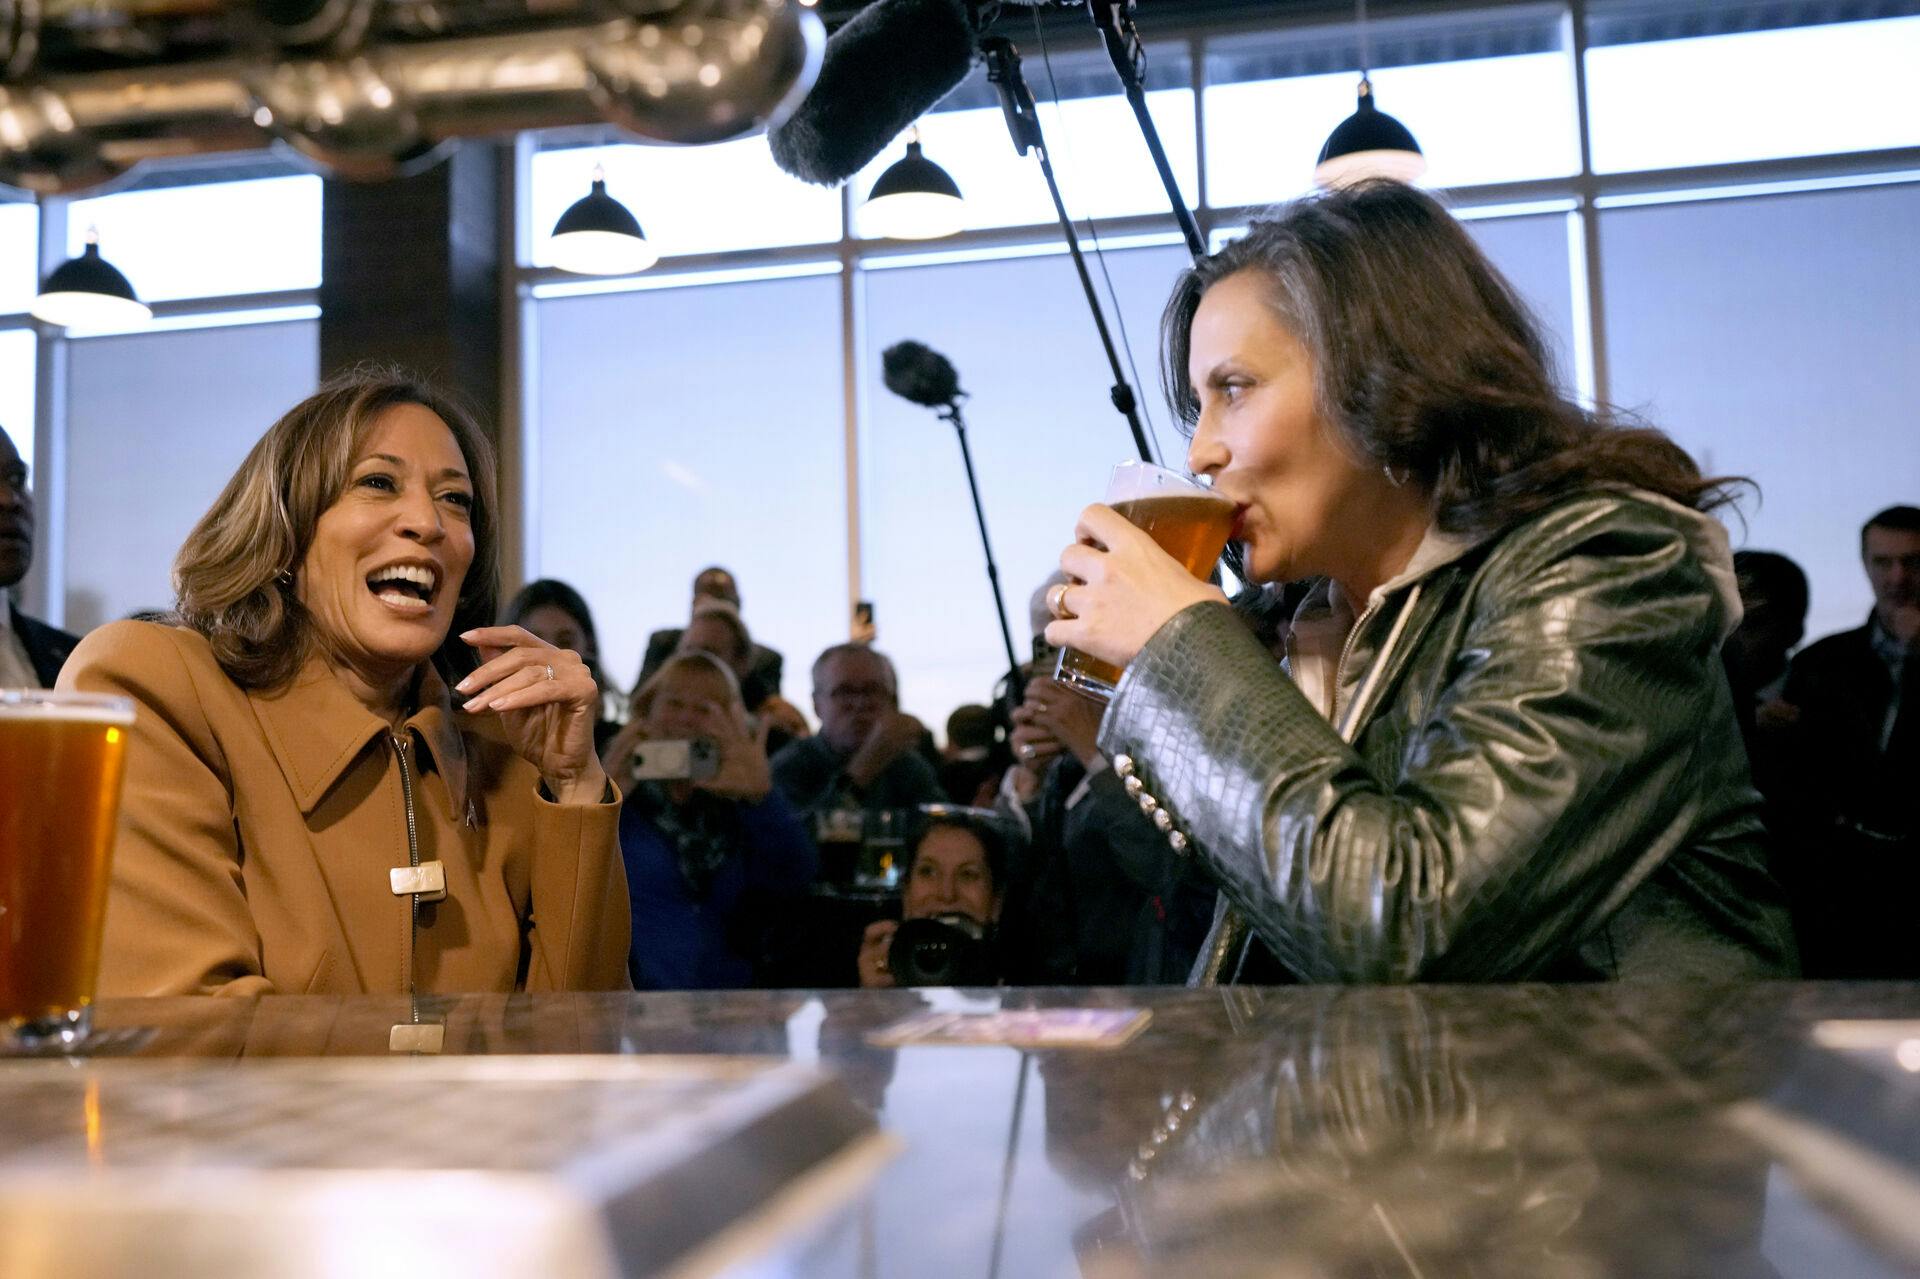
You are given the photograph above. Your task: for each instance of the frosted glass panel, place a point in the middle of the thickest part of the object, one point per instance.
(213, 240)
(685, 427)
(17, 368)
(707, 199)
(1043, 434)
(19, 256)
(156, 425)
(1755, 95)
(1779, 338)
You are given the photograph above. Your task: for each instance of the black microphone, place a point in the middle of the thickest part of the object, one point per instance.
(883, 70)
(917, 372)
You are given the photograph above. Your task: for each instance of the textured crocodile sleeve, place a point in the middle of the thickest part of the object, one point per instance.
(1548, 778)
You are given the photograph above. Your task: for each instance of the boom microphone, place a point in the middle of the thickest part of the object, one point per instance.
(883, 70)
(914, 371)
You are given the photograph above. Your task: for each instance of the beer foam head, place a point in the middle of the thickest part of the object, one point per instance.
(87, 708)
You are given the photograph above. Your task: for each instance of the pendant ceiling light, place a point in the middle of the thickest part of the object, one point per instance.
(1369, 143)
(597, 235)
(89, 291)
(915, 199)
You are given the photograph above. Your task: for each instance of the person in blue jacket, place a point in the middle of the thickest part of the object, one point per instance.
(709, 858)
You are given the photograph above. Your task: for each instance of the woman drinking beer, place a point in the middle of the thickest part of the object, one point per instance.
(341, 779)
(1502, 746)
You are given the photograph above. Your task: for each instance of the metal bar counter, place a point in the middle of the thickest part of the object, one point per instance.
(1759, 1130)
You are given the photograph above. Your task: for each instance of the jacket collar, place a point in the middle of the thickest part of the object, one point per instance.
(317, 729)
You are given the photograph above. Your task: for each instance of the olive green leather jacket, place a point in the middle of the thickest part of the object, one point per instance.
(1546, 781)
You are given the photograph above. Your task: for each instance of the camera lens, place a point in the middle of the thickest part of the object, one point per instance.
(946, 950)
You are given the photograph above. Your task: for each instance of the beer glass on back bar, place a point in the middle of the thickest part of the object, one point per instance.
(1189, 522)
(61, 757)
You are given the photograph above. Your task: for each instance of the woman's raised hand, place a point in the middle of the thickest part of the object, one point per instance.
(548, 704)
(1124, 588)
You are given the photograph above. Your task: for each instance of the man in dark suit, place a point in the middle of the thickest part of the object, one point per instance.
(31, 652)
(763, 677)
(1856, 828)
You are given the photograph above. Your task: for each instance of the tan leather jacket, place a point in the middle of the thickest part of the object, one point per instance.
(258, 830)
(1539, 777)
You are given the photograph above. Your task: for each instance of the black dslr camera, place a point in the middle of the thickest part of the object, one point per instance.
(943, 950)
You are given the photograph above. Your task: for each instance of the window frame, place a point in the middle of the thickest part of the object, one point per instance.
(1581, 195)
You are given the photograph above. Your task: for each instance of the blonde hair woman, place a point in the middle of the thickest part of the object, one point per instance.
(702, 852)
(342, 780)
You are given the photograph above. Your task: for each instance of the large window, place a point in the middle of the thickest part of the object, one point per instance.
(156, 423)
(1779, 339)
(1098, 156)
(687, 199)
(17, 355)
(210, 240)
(19, 278)
(19, 256)
(1534, 252)
(1772, 332)
(679, 428)
(1659, 100)
(1496, 106)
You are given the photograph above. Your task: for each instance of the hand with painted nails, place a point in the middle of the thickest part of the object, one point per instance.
(547, 702)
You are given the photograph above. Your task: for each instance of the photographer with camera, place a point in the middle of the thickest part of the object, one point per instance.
(949, 907)
(709, 842)
(1095, 897)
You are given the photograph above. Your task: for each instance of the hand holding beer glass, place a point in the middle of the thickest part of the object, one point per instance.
(1187, 520)
(61, 757)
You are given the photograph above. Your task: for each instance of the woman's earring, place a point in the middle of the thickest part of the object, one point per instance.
(285, 578)
(1396, 478)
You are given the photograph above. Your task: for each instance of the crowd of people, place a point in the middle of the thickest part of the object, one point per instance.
(1478, 714)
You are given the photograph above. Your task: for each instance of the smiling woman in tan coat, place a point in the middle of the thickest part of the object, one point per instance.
(307, 809)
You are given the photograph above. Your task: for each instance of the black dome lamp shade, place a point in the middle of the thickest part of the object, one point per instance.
(1369, 143)
(915, 199)
(89, 290)
(597, 235)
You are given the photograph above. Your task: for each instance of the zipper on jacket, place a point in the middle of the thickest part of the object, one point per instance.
(1351, 731)
(413, 860)
(1340, 667)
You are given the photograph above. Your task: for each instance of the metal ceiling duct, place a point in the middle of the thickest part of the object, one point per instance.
(369, 88)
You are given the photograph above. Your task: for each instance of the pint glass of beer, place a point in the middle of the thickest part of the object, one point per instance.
(60, 767)
(1188, 520)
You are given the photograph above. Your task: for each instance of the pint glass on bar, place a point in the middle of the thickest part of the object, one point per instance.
(60, 767)
(1190, 522)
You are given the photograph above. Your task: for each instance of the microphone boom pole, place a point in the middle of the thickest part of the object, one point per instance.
(1023, 122)
(952, 414)
(1114, 18)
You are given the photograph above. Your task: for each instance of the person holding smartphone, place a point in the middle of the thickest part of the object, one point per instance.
(709, 851)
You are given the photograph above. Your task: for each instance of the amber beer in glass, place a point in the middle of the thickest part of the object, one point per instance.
(1189, 521)
(61, 756)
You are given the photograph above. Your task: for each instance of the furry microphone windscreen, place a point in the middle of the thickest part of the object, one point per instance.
(917, 372)
(883, 70)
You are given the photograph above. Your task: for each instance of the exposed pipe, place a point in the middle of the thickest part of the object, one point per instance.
(371, 88)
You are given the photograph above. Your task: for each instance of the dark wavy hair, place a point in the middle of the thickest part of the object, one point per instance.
(979, 823)
(1427, 362)
(234, 576)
